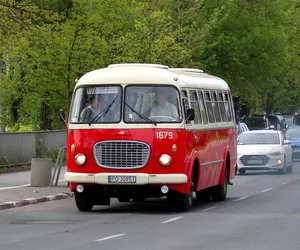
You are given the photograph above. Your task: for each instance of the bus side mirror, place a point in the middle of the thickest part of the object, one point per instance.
(190, 114)
(62, 115)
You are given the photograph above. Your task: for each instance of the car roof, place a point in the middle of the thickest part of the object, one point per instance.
(261, 131)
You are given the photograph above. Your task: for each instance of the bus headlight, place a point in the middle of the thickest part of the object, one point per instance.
(80, 159)
(165, 160)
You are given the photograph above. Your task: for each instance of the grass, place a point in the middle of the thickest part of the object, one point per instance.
(13, 169)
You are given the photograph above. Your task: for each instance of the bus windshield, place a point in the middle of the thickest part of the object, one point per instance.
(157, 103)
(96, 104)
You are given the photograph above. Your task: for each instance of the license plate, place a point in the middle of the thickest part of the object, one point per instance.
(296, 150)
(254, 162)
(121, 179)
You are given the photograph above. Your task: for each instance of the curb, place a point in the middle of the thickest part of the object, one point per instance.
(29, 201)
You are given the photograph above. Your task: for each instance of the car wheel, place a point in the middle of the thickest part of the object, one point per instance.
(283, 170)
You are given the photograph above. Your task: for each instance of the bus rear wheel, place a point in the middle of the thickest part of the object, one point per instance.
(83, 202)
(203, 195)
(219, 192)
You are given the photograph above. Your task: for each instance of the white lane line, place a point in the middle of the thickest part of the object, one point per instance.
(266, 190)
(241, 198)
(173, 219)
(207, 209)
(20, 186)
(110, 237)
(284, 183)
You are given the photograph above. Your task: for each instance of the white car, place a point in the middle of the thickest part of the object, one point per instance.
(264, 150)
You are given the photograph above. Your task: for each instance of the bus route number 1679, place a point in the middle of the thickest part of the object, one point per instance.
(164, 135)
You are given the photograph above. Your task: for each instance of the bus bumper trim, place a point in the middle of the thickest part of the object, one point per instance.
(141, 178)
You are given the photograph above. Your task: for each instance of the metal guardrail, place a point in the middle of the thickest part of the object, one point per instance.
(59, 160)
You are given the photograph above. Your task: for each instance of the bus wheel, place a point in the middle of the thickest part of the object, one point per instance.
(83, 202)
(203, 195)
(185, 201)
(219, 192)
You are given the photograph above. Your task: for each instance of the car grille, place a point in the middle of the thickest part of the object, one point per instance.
(257, 160)
(296, 152)
(121, 154)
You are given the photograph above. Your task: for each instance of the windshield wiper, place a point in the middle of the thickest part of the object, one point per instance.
(103, 112)
(141, 115)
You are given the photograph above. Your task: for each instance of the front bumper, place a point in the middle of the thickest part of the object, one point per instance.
(141, 178)
(272, 164)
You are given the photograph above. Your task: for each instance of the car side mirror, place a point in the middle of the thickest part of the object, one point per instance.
(190, 114)
(286, 142)
(62, 115)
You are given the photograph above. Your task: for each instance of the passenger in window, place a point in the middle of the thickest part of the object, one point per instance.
(162, 108)
(88, 113)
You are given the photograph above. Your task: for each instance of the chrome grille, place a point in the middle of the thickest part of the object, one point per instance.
(121, 154)
(257, 160)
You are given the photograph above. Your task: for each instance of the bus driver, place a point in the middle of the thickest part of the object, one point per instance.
(162, 107)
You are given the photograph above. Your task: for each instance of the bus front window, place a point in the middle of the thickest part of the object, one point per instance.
(93, 104)
(159, 104)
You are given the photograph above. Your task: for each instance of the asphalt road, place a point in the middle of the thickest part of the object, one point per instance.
(262, 212)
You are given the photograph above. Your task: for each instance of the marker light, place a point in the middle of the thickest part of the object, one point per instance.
(165, 160)
(80, 159)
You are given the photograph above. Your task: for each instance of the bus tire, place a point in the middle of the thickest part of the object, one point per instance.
(219, 192)
(83, 202)
(185, 201)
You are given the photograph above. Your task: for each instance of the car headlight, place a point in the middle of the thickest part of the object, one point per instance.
(165, 160)
(277, 153)
(80, 159)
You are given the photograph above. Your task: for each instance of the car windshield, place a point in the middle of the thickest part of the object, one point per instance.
(289, 121)
(158, 104)
(255, 123)
(96, 105)
(258, 138)
(294, 132)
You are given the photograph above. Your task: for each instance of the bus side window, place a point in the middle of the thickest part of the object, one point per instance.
(211, 117)
(202, 107)
(195, 106)
(185, 104)
(222, 107)
(227, 107)
(215, 106)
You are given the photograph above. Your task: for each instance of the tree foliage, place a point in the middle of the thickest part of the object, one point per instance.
(46, 44)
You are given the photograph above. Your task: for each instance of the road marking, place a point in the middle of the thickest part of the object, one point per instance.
(241, 198)
(21, 186)
(284, 183)
(207, 209)
(266, 190)
(110, 237)
(173, 219)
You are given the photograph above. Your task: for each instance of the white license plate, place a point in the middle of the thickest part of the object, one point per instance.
(121, 179)
(254, 161)
(296, 150)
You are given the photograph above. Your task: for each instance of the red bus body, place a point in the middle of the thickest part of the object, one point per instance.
(199, 154)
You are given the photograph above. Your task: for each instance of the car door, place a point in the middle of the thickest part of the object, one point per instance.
(288, 149)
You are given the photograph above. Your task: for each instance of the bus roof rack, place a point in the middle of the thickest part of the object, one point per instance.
(146, 65)
(189, 70)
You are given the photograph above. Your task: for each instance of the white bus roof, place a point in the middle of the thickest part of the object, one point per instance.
(134, 73)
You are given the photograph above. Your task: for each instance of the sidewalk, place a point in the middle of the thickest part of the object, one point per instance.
(15, 190)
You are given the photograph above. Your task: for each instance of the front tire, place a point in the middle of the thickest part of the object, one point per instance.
(219, 192)
(83, 202)
(185, 201)
(283, 171)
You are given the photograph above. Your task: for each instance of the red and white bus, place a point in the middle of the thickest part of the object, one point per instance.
(139, 131)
